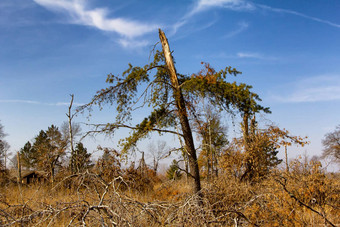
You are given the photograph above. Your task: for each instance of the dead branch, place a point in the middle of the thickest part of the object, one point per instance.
(283, 184)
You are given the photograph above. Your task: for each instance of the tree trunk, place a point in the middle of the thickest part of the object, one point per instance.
(186, 163)
(246, 130)
(211, 151)
(155, 164)
(216, 164)
(19, 170)
(286, 155)
(52, 174)
(248, 171)
(142, 165)
(182, 113)
(74, 156)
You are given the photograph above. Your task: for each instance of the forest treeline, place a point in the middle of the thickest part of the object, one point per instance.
(216, 182)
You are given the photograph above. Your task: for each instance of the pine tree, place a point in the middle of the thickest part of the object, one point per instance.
(170, 96)
(28, 156)
(80, 159)
(173, 173)
(50, 147)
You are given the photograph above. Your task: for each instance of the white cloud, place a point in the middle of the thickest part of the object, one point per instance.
(18, 101)
(254, 56)
(241, 5)
(237, 5)
(78, 13)
(287, 11)
(178, 25)
(244, 5)
(22, 101)
(248, 55)
(13, 13)
(314, 89)
(241, 27)
(203, 5)
(64, 104)
(128, 43)
(239, 55)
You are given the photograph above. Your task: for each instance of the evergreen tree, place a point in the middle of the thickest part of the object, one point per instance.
(260, 156)
(173, 173)
(80, 159)
(50, 148)
(261, 149)
(171, 96)
(28, 156)
(213, 136)
(108, 165)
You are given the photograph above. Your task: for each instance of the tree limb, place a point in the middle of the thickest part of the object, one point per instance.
(112, 127)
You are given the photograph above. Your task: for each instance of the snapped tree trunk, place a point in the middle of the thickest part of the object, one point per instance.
(182, 113)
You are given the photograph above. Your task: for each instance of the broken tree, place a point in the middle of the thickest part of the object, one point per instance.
(170, 96)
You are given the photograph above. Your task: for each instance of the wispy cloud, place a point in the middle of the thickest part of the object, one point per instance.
(13, 13)
(313, 89)
(78, 12)
(241, 26)
(196, 28)
(19, 101)
(240, 5)
(130, 43)
(254, 56)
(237, 5)
(248, 55)
(205, 5)
(22, 101)
(179, 24)
(287, 11)
(240, 55)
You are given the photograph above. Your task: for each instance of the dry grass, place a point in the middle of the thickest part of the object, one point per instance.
(283, 199)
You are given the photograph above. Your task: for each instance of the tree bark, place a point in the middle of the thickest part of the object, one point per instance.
(248, 171)
(74, 156)
(182, 113)
(286, 156)
(19, 170)
(246, 130)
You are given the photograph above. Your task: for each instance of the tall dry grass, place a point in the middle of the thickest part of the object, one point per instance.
(303, 197)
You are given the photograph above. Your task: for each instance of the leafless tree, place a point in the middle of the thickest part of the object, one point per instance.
(69, 131)
(158, 152)
(4, 147)
(331, 144)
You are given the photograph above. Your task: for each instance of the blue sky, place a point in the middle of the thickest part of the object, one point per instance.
(288, 50)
